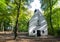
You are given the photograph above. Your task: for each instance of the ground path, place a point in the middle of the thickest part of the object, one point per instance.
(22, 37)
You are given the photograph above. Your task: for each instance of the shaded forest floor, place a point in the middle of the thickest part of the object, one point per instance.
(23, 37)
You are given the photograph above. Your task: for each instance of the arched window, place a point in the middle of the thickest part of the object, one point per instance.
(33, 31)
(42, 31)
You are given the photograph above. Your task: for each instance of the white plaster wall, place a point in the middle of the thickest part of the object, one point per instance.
(33, 24)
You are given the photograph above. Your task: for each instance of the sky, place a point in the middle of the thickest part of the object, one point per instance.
(57, 4)
(35, 5)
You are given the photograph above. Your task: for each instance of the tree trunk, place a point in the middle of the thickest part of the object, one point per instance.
(16, 24)
(50, 2)
(2, 26)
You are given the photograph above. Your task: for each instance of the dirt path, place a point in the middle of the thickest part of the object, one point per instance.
(28, 39)
(25, 38)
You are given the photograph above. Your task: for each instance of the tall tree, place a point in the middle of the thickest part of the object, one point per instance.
(20, 7)
(4, 15)
(50, 18)
(47, 6)
(17, 16)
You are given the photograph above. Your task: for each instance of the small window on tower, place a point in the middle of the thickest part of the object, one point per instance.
(33, 31)
(35, 10)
